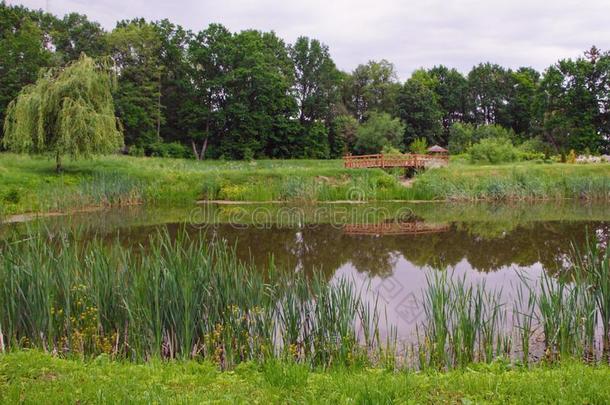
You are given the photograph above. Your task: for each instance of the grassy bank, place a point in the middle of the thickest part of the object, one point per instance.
(30, 184)
(33, 377)
(519, 181)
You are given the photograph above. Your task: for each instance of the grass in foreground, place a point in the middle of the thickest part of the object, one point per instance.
(33, 377)
(30, 184)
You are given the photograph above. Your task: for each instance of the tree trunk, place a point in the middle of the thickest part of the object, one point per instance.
(203, 149)
(1, 340)
(58, 163)
(195, 150)
(159, 109)
(200, 155)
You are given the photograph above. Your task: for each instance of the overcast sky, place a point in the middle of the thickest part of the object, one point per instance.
(409, 33)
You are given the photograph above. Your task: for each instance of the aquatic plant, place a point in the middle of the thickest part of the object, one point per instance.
(174, 297)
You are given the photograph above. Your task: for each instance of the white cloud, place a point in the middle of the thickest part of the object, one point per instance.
(409, 33)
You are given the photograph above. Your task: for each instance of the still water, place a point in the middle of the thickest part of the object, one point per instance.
(388, 250)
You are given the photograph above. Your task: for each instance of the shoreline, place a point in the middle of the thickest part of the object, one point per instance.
(31, 216)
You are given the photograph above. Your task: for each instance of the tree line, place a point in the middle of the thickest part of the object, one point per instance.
(221, 94)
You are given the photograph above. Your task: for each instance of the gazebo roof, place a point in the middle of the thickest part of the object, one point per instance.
(437, 149)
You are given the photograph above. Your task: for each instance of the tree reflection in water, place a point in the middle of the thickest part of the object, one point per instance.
(483, 246)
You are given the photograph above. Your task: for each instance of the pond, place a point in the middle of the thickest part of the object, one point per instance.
(388, 250)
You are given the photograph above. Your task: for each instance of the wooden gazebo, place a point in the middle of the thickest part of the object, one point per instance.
(437, 150)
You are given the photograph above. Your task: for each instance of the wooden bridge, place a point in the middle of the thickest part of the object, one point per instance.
(395, 228)
(395, 160)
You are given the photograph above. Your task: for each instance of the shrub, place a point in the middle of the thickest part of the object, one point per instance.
(13, 196)
(316, 142)
(571, 158)
(378, 131)
(342, 136)
(248, 154)
(463, 136)
(390, 150)
(419, 145)
(532, 149)
(170, 150)
(493, 150)
(136, 151)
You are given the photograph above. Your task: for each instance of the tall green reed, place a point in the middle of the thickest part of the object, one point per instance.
(173, 297)
(463, 323)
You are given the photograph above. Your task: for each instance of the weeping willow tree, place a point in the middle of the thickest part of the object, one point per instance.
(68, 111)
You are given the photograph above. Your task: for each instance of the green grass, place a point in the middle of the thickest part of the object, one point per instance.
(29, 184)
(517, 181)
(31, 377)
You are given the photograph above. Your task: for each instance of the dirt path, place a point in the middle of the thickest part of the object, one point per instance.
(408, 183)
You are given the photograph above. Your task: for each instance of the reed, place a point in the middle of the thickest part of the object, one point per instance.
(463, 323)
(436, 302)
(524, 316)
(174, 297)
(592, 268)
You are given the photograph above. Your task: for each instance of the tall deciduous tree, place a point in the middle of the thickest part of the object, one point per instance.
(419, 110)
(488, 91)
(135, 48)
(23, 52)
(67, 111)
(451, 89)
(259, 107)
(574, 101)
(520, 109)
(316, 79)
(175, 86)
(209, 58)
(75, 34)
(371, 87)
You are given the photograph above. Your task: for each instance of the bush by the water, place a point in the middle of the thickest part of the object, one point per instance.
(169, 150)
(463, 136)
(419, 146)
(501, 150)
(493, 150)
(380, 130)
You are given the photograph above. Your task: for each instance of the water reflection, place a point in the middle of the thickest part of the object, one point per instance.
(368, 250)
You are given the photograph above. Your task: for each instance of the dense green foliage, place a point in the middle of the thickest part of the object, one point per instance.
(67, 111)
(250, 95)
(492, 151)
(378, 132)
(34, 377)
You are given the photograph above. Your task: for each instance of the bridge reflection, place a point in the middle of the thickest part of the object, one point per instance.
(396, 228)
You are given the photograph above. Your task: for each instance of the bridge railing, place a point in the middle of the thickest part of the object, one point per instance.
(394, 160)
(395, 228)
